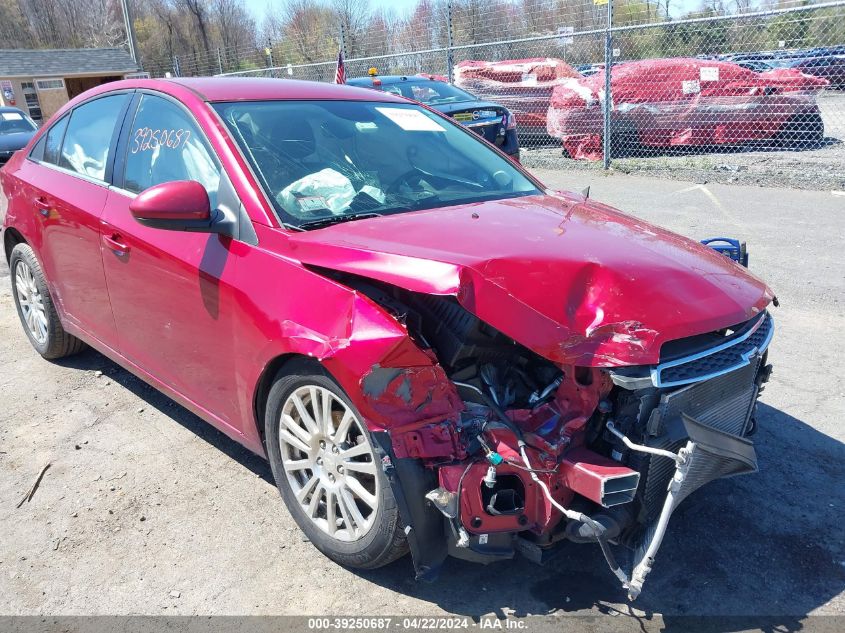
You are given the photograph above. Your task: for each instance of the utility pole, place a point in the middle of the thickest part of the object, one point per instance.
(130, 33)
(269, 52)
(450, 60)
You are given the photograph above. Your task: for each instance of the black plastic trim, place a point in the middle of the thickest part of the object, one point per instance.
(410, 481)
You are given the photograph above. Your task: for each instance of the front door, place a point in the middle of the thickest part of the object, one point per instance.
(170, 290)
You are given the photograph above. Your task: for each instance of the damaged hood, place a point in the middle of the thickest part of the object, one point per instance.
(574, 280)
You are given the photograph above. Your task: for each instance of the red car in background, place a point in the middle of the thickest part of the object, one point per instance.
(524, 86)
(434, 352)
(687, 102)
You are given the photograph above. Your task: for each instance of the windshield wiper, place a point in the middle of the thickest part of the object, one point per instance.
(337, 219)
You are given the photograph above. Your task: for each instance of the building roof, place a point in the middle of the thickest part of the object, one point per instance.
(65, 62)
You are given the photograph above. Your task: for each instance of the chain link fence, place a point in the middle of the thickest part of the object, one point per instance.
(751, 93)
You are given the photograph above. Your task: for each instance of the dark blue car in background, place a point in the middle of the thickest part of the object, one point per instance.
(493, 122)
(16, 128)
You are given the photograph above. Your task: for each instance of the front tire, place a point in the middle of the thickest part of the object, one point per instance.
(327, 471)
(36, 308)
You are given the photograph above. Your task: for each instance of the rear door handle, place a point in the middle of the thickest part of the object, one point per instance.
(42, 205)
(115, 245)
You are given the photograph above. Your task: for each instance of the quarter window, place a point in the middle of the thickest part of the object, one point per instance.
(53, 142)
(166, 145)
(85, 149)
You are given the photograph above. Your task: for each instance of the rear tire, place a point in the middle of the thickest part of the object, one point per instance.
(624, 140)
(803, 131)
(36, 309)
(343, 504)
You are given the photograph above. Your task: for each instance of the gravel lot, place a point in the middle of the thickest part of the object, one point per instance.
(147, 510)
(814, 169)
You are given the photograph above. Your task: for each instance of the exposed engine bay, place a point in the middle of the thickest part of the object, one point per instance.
(543, 453)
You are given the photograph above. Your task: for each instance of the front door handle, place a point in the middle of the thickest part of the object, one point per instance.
(115, 245)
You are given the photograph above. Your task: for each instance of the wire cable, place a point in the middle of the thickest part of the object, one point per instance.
(598, 528)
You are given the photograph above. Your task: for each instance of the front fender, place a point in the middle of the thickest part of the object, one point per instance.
(393, 383)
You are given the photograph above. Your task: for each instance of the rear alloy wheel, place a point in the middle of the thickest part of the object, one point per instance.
(36, 309)
(328, 473)
(31, 303)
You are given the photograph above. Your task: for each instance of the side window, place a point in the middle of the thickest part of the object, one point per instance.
(165, 145)
(37, 152)
(52, 142)
(85, 149)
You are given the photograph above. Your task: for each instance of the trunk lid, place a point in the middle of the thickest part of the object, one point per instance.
(482, 117)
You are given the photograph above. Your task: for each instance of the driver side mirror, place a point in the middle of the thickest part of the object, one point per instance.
(180, 205)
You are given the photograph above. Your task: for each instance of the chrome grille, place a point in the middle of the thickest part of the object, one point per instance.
(723, 402)
(716, 361)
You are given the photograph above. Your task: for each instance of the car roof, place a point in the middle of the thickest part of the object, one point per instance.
(258, 88)
(11, 109)
(215, 89)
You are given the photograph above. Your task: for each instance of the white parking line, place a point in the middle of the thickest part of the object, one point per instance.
(838, 193)
(730, 216)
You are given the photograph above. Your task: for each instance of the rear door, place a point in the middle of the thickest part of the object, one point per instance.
(66, 183)
(170, 290)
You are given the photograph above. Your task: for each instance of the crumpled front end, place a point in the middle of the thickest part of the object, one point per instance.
(539, 373)
(526, 452)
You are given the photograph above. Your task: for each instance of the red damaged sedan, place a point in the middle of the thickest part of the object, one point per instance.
(434, 352)
(687, 102)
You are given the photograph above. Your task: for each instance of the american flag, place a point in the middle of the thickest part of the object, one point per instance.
(340, 74)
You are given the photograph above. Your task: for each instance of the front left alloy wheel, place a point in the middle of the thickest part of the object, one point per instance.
(328, 473)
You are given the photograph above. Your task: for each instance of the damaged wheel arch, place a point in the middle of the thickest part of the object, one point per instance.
(329, 472)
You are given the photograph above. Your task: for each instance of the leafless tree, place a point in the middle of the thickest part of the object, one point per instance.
(744, 6)
(234, 26)
(352, 18)
(14, 27)
(199, 10)
(306, 29)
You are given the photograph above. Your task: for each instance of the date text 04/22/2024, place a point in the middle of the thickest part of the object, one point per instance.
(412, 623)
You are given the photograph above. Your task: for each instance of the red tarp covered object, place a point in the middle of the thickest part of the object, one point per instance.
(670, 102)
(523, 86)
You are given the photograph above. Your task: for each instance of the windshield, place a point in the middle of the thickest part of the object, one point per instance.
(429, 92)
(12, 122)
(326, 161)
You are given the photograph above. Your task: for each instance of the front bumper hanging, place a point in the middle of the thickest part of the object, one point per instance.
(708, 455)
